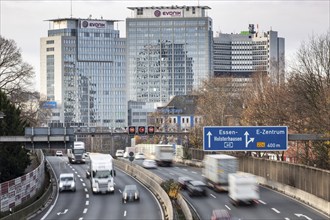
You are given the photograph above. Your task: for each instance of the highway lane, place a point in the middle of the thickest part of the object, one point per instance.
(272, 204)
(83, 204)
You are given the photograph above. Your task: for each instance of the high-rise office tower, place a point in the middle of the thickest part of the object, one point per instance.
(169, 51)
(241, 55)
(83, 72)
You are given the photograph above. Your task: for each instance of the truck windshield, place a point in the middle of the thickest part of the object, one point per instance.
(102, 174)
(79, 151)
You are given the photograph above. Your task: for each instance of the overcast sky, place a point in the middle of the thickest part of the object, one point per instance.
(296, 21)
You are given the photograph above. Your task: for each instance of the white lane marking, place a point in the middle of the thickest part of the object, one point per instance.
(301, 215)
(81, 218)
(62, 213)
(125, 213)
(85, 211)
(213, 195)
(185, 169)
(262, 202)
(73, 169)
(87, 202)
(286, 218)
(83, 184)
(275, 210)
(87, 196)
(172, 174)
(194, 172)
(228, 207)
(75, 172)
(81, 180)
(86, 190)
(120, 191)
(78, 176)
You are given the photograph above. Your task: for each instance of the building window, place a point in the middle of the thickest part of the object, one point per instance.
(50, 49)
(50, 42)
(139, 11)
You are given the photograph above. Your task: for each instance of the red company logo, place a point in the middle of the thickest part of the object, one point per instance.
(157, 13)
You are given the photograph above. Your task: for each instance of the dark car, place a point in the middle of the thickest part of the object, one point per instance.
(196, 188)
(183, 180)
(130, 193)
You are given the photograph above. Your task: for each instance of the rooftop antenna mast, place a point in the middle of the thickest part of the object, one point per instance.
(71, 8)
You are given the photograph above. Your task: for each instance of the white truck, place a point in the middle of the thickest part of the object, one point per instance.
(243, 188)
(77, 153)
(216, 169)
(163, 154)
(101, 173)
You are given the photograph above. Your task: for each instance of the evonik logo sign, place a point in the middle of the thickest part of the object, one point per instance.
(168, 13)
(92, 24)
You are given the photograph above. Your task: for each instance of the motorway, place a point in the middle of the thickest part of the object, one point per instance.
(272, 205)
(83, 204)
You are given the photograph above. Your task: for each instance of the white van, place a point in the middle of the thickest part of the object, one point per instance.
(67, 182)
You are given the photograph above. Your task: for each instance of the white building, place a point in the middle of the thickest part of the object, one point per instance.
(241, 55)
(83, 74)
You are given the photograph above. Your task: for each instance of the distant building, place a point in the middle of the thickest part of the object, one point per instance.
(179, 114)
(169, 51)
(138, 113)
(83, 73)
(241, 55)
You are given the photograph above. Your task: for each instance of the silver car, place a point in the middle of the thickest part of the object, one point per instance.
(130, 193)
(67, 182)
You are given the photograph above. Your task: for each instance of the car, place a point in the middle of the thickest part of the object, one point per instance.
(220, 214)
(149, 164)
(139, 156)
(59, 153)
(196, 188)
(183, 180)
(120, 153)
(130, 193)
(67, 182)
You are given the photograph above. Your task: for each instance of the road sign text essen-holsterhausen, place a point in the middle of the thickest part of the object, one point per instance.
(240, 138)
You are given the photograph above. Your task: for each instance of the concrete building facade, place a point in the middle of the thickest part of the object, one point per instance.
(241, 55)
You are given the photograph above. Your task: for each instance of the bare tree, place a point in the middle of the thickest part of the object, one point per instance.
(15, 75)
(265, 102)
(309, 84)
(16, 81)
(219, 99)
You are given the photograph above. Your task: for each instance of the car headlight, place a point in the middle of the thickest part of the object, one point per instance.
(136, 195)
(125, 196)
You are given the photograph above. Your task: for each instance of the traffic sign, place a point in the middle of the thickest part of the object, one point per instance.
(131, 156)
(245, 138)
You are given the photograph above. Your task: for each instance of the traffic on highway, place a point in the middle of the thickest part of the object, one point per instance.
(129, 197)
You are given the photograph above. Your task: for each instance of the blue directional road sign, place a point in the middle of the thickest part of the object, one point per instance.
(241, 138)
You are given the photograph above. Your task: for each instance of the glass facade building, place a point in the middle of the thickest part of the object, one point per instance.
(169, 51)
(83, 70)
